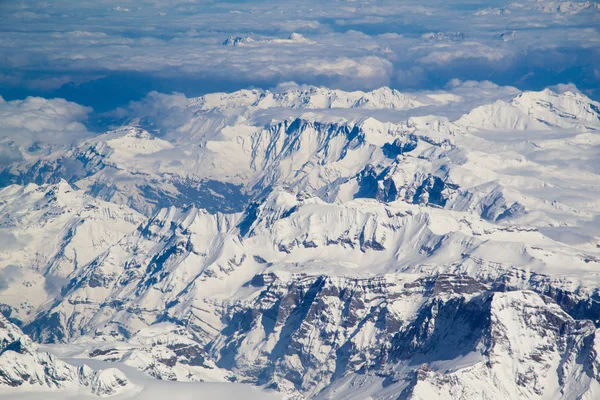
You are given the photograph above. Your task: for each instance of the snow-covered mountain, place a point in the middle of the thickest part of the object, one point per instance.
(217, 274)
(48, 232)
(221, 157)
(504, 345)
(446, 337)
(294, 38)
(280, 239)
(310, 97)
(536, 110)
(23, 365)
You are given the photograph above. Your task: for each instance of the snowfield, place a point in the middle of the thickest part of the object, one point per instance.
(313, 243)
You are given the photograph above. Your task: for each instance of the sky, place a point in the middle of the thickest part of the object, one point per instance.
(104, 54)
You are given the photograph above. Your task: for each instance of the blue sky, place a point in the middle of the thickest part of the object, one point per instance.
(105, 54)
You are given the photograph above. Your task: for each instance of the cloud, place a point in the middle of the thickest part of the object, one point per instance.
(564, 87)
(479, 89)
(9, 274)
(372, 71)
(36, 114)
(293, 38)
(32, 123)
(8, 241)
(176, 45)
(156, 111)
(445, 57)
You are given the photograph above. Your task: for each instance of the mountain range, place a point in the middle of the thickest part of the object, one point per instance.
(316, 243)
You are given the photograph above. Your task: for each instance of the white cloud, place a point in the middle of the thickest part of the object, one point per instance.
(564, 87)
(182, 40)
(36, 114)
(370, 69)
(9, 273)
(40, 121)
(464, 51)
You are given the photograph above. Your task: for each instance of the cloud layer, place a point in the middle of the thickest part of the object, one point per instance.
(109, 52)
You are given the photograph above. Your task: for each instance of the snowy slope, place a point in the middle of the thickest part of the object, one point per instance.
(536, 110)
(48, 232)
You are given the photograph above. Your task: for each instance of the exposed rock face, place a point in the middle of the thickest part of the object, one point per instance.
(302, 334)
(530, 349)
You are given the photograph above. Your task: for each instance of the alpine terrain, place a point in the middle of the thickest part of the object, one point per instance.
(315, 243)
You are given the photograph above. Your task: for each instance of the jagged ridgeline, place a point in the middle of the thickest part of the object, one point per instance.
(295, 241)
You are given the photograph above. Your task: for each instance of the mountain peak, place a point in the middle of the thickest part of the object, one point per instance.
(236, 40)
(131, 141)
(136, 133)
(298, 38)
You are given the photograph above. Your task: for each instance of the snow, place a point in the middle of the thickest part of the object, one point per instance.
(58, 229)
